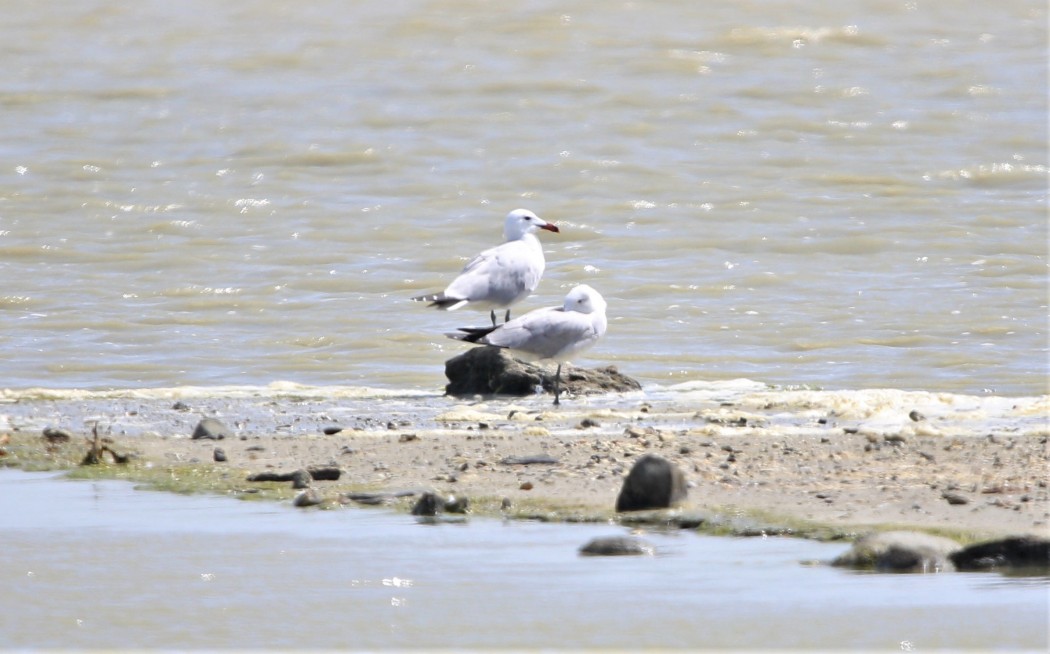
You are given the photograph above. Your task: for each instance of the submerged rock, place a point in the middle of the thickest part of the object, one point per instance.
(1020, 553)
(617, 546)
(900, 551)
(492, 371)
(653, 483)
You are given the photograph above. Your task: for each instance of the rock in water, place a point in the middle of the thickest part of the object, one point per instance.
(211, 428)
(617, 546)
(427, 506)
(653, 483)
(899, 551)
(1020, 553)
(492, 371)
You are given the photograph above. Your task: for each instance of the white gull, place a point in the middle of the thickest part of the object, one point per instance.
(556, 333)
(501, 276)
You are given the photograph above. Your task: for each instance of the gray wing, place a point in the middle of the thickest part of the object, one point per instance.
(499, 275)
(546, 333)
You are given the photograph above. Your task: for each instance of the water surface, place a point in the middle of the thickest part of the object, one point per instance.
(844, 195)
(100, 565)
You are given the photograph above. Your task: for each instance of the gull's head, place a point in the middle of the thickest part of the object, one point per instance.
(521, 222)
(584, 299)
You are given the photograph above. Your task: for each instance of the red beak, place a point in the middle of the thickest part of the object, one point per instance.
(551, 227)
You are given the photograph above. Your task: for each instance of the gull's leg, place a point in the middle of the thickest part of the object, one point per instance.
(506, 318)
(557, 386)
(492, 314)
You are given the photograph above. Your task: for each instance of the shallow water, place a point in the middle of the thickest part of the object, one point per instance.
(843, 195)
(128, 569)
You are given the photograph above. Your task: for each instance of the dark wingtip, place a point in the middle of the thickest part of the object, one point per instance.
(471, 334)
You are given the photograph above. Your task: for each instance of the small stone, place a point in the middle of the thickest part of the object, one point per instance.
(426, 506)
(407, 438)
(309, 497)
(653, 483)
(916, 416)
(1030, 554)
(210, 428)
(457, 505)
(54, 435)
(219, 455)
(325, 473)
(899, 551)
(301, 479)
(955, 498)
(617, 546)
(534, 459)
(180, 406)
(526, 486)
(587, 423)
(331, 431)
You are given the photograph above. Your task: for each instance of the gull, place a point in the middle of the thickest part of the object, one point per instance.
(499, 276)
(556, 333)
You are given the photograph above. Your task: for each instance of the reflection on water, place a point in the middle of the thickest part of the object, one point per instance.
(99, 565)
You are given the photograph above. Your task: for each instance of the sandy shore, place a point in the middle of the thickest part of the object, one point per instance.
(817, 466)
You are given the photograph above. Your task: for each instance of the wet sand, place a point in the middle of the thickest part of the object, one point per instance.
(775, 461)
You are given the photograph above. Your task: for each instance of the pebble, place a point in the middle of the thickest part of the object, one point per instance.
(309, 497)
(955, 498)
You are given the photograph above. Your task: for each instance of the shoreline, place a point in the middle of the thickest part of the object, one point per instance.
(800, 462)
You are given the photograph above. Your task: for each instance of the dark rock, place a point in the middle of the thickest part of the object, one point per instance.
(1019, 553)
(492, 371)
(457, 505)
(301, 479)
(529, 460)
(180, 406)
(219, 455)
(617, 546)
(325, 473)
(331, 431)
(374, 499)
(270, 476)
(900, 551)
(427, 506)
(54, 435)
(211, 428)
(955, 498)
(309, 497)
(653, 483)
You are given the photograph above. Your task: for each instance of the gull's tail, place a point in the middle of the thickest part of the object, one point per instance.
(471, 334)
(441, 301)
